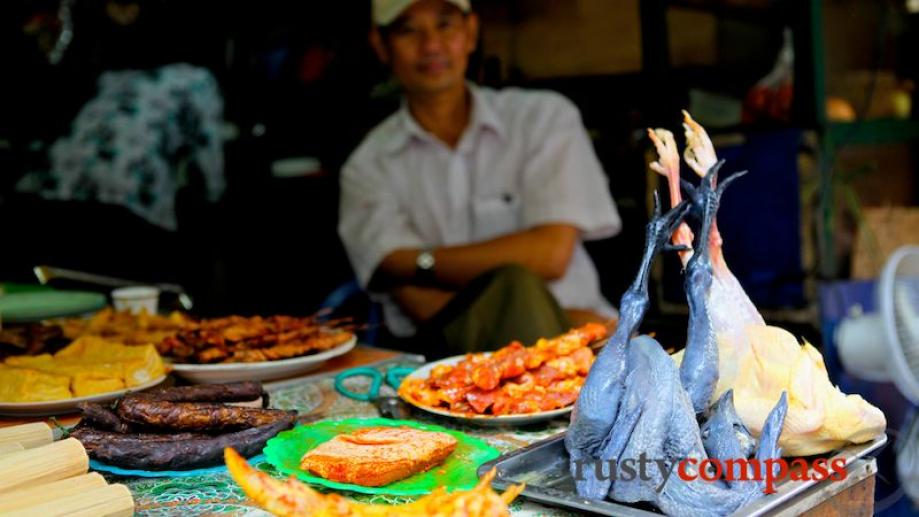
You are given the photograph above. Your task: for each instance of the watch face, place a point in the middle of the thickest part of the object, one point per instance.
(425, 260)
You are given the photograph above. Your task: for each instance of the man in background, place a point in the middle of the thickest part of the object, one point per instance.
(464, 212)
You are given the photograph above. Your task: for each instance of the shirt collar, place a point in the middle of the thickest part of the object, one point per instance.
(483, 116)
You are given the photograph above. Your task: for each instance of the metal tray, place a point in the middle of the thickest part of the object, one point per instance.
(543, 466)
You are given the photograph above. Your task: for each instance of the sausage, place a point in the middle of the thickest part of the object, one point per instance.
(102, 417)
(189, 416)
(92, 438)
(233, 392)
(140, 452)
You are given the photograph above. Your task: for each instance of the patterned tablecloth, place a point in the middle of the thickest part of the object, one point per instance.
(316, 399)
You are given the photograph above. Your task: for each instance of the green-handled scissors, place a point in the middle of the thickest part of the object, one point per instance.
(393, 378)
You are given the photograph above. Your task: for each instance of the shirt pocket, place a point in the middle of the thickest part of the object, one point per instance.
(495, 215)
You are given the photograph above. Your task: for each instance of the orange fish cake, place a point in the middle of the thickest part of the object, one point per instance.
(378, 456)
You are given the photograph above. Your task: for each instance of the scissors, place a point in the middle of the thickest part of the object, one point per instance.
(389, 407)
(393, 378)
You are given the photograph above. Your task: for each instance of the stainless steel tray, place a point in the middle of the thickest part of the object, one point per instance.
(543, 466)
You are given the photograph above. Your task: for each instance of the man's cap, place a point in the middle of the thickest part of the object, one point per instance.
(386, 11)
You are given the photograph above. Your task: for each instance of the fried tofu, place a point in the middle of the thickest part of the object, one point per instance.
(141, 364)
(25, 385)
(48, 364)
(136, 365)
(84, 384)
(88, 366)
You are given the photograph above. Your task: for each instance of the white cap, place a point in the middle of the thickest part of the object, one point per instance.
(386, 11)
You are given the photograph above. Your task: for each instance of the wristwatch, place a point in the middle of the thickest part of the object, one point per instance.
(424, 266)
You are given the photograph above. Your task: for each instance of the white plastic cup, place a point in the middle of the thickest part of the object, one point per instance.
(136, 299)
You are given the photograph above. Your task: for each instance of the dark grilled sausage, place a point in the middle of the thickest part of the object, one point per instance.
(92, 438)
(192, 451)
(189, 416)
(233, 392)
(102, 417)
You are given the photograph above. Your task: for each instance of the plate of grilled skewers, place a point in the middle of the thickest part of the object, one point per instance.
(240, 348)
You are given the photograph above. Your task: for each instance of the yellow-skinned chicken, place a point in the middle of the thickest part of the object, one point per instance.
(820, 418)
(758, 361)
(293, 498)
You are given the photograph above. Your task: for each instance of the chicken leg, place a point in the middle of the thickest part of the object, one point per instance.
(668, 165)
(732, 308)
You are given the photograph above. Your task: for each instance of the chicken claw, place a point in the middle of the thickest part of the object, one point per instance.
(668, 165)
(700, 152)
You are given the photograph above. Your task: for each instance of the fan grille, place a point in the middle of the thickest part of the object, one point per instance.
(898, 299)
(906, 309)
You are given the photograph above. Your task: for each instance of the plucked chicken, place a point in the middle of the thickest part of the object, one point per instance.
(820, 417)
(616, 420)
(757, 361)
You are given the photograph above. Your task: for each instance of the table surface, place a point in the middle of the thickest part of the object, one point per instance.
(315, 398)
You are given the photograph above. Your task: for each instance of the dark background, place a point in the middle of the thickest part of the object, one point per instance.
(298, 79)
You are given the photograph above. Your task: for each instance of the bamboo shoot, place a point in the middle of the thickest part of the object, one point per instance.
(6, 448)
(30, 467)
(49, 492)
(28, 435)
(105, 501)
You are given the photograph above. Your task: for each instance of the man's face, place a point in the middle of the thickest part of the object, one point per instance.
(428, 46)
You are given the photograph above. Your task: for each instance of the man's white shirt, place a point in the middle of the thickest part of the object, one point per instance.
(524, 160)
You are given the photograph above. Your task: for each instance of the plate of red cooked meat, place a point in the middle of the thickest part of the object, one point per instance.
(514, 385)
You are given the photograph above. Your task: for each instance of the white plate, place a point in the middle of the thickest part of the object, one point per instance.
(502, 420)
(60, 407)
(264, 370)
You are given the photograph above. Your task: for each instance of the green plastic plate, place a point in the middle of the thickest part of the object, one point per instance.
(39, 305)
(457, 472)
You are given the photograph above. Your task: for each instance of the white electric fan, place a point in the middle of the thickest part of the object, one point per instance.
(884, 346)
